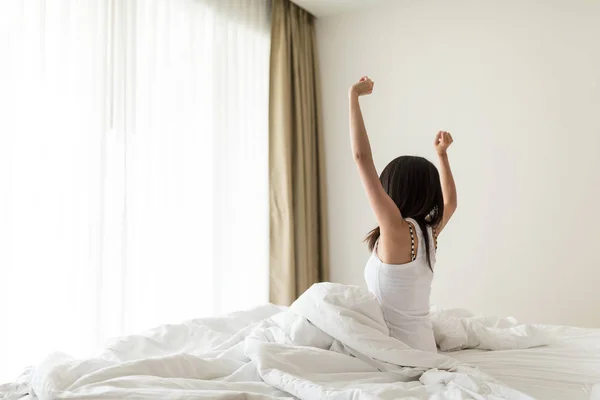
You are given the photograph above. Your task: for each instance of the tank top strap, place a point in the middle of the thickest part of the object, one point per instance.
(420, 234)
(415, 224)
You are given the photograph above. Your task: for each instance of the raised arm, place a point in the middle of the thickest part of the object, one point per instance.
(443, 140)
(383, 206)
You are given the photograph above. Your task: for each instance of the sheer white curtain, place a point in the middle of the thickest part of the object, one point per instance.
(133, 168)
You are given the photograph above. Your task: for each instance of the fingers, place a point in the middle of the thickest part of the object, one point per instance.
(368, 84)
(447, 137)
(366, 79)
(443, 138)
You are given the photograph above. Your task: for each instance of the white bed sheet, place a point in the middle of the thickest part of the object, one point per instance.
(567, 369)
(286, 356)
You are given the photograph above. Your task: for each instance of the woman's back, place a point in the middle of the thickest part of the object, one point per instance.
(403, 291)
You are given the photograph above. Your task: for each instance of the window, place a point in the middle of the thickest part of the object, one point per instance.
(134, 168)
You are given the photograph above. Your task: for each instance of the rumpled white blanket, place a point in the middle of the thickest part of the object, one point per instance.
(458, 329)
(331, 343)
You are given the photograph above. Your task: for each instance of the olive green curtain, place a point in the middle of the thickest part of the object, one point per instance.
(298, 235)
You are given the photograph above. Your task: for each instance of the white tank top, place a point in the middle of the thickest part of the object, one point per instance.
(403, 291)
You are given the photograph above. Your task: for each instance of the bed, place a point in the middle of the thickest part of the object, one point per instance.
(567, 368)
(331, 343)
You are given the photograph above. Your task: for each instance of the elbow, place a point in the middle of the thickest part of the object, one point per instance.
(450, 206)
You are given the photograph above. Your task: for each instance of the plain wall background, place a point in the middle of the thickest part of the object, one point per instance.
(518, 85)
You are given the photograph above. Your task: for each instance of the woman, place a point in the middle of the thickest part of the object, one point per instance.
(412, 205)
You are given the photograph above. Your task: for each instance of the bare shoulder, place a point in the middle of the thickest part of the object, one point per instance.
(395, 243)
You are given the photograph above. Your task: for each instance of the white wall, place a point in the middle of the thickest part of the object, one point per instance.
(518, 85)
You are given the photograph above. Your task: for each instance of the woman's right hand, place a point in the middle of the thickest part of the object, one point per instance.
(363, 87)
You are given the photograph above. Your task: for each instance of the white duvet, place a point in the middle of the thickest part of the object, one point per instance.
(331, 343)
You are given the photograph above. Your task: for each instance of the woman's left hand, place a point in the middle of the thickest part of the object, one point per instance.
(443, 140)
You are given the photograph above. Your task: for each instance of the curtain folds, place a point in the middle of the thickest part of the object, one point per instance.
(298, 235)
(133, 168)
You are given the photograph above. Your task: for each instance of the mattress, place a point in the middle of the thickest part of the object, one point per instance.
(566, 369)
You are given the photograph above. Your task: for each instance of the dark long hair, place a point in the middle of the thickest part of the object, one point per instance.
(414, 185)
